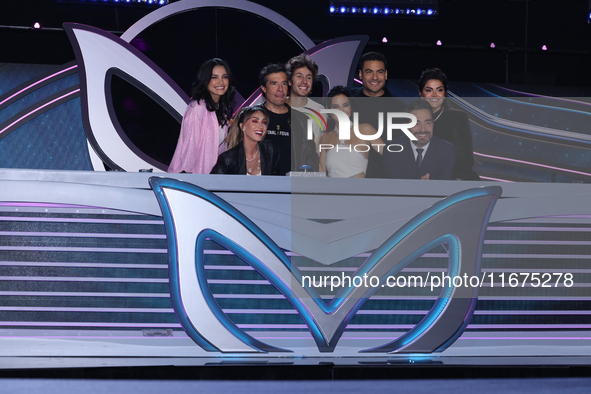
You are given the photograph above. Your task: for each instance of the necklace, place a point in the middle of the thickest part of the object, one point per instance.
(253, 156)
(258, 167)
(438, 115)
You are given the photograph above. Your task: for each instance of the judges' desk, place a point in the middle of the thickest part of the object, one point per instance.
(134, 265)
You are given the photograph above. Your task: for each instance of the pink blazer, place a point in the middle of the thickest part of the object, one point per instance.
(198, 146)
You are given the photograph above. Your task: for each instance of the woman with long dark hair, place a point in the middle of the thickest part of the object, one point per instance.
(450, 124)
(248, 153)
(206, 119)
(345, 158)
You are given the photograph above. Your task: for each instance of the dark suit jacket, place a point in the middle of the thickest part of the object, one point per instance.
(368, 109)
(453, 126)
(438, 161)
(233, 161)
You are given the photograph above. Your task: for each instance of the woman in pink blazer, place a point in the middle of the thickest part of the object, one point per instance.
(206, 120)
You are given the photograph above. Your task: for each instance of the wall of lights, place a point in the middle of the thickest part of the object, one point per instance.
(383, 10)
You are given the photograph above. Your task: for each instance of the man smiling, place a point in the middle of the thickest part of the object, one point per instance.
(286, 128)
(372, 99)
(428, 157)
(302, 73)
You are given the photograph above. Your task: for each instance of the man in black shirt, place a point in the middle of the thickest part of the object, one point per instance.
(286, 128)
(371, 99)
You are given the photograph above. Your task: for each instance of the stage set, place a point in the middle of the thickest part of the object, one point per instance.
(108, 261)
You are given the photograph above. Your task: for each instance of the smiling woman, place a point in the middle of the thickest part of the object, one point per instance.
(206, 119)
(248, 154)
(450, 124)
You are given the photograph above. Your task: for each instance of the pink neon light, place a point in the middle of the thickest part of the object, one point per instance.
(541, 95)
(534, 164)
(494, 179)
(37, 83)
(38, 109)
(254, 98)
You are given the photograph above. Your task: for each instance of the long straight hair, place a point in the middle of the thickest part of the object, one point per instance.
(235, 135)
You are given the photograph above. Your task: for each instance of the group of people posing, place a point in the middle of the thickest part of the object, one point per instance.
(291, 132)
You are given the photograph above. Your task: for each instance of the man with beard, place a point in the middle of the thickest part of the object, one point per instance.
(428, 157)
(372, 99)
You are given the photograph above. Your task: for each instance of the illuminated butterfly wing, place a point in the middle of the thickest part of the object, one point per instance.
(192, 215)
(100, 55)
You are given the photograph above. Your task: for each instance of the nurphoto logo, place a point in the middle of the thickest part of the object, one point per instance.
(344, 130)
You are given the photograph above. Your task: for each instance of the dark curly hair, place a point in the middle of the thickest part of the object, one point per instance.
(301, 61)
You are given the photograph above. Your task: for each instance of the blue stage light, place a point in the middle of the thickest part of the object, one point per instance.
(367, 7)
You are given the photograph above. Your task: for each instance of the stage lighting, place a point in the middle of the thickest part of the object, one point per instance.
(384, 8)
(544, 48)
(37, 26)
(439, 43)
(492, 45)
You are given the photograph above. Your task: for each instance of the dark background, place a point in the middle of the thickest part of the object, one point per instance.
(466, 28)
